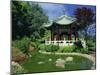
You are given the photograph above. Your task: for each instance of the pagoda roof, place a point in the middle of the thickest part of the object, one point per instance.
(62, 20)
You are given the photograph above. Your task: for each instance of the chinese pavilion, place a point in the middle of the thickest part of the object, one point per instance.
(63, 31)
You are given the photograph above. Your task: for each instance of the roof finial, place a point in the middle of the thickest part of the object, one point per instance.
(64, 11)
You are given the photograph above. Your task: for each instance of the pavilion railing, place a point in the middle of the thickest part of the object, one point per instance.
(60, 42)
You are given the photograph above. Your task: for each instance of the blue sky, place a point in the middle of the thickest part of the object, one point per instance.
(53, 10)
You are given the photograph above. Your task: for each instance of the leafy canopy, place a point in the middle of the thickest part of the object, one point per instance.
(27, 19)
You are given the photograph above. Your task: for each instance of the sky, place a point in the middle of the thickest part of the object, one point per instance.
(54, 10)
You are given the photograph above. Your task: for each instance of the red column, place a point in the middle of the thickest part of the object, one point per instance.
(70, 36)
(70, 33)
(76, 35)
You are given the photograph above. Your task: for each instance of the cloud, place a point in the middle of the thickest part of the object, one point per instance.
(52, 10)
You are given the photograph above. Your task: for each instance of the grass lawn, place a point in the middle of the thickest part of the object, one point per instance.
(31, 64)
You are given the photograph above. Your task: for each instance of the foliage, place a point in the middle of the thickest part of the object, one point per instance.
(33, 44)
(84, 50)
(18, 55)
(27, 20)
(91, 45)
(42, 47)
(85, 17)
(56, 48)
(23, 44)
(79, 44)
(16, 52)
(81, 50)
(47, 35)
(66, 49)
(77, 49)
(51, 48)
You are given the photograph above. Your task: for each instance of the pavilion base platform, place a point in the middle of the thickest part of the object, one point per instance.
(65, 42)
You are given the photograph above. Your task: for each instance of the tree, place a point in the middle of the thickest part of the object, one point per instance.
(27, 19)
(85, 17)
(19, 23)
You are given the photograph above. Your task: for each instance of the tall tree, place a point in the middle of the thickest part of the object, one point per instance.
(85, 17)
(27, 19)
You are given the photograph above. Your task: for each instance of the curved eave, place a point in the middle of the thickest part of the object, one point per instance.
(65, 20)
(48, 24)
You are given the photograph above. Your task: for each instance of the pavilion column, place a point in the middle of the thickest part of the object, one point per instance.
(55, 37)
(64, 37)
(76, 36)
(51, 33)
(70, 34)
(52, 36)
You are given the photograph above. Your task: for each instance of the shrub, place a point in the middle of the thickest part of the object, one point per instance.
(54, 48)
(91, 45)
(77, 49)
(67, 49)
(91, 48)
(51, 48)
(32, 46)
(80, 50)
(22, 44)
(41, 47)
(17, 55)
(84, 50)
(79, 44)
(16, 52)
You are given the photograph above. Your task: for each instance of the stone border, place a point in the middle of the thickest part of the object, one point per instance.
(78, 54)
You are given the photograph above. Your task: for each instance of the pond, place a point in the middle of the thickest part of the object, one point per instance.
(47, 63)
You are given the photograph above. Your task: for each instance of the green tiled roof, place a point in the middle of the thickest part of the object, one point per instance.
(62, 20)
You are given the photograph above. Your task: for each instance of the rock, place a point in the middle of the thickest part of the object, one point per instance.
(50, 59)
(16, 67)
(15, 64)
(60, 63)
(40, 62)
(69, 59)
(93, 67)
